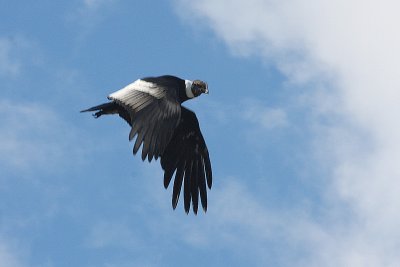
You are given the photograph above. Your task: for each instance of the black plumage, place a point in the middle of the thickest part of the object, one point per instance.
(167, 130)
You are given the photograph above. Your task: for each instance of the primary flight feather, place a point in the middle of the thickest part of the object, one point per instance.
(167, 130)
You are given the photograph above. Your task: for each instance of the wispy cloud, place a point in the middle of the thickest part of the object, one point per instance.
(111, 234)
(10, 256)
(351, 48)
(7, 64)
(88, 14)
(95, 4)
(15, 53)
(265, 117)
(34, 137)
(237, 222)
(260, 115)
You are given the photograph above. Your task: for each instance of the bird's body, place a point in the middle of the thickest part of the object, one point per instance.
(165, 129)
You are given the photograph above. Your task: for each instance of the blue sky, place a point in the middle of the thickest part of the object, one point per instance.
(300, 123)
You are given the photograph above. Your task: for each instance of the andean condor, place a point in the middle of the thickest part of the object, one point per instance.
(166, 129)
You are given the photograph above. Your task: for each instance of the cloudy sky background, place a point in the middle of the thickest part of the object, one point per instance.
(302, 123)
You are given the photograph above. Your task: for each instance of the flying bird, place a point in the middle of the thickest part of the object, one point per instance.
(166, 130)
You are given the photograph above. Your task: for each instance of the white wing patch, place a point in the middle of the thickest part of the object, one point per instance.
(140, 86)
(188, 88)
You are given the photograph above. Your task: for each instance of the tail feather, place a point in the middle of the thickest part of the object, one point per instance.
(106, 108)
(110, 108)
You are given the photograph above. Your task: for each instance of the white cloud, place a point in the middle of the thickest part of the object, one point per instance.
(351, 48)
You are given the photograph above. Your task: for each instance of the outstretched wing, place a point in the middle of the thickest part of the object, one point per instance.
(153, 113)
(187, 156)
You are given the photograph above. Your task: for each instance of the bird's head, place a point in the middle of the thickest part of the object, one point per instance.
(199, 87)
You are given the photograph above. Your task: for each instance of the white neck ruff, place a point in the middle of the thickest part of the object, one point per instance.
(188, 88)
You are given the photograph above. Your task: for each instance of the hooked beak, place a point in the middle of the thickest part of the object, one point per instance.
(205, 91)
